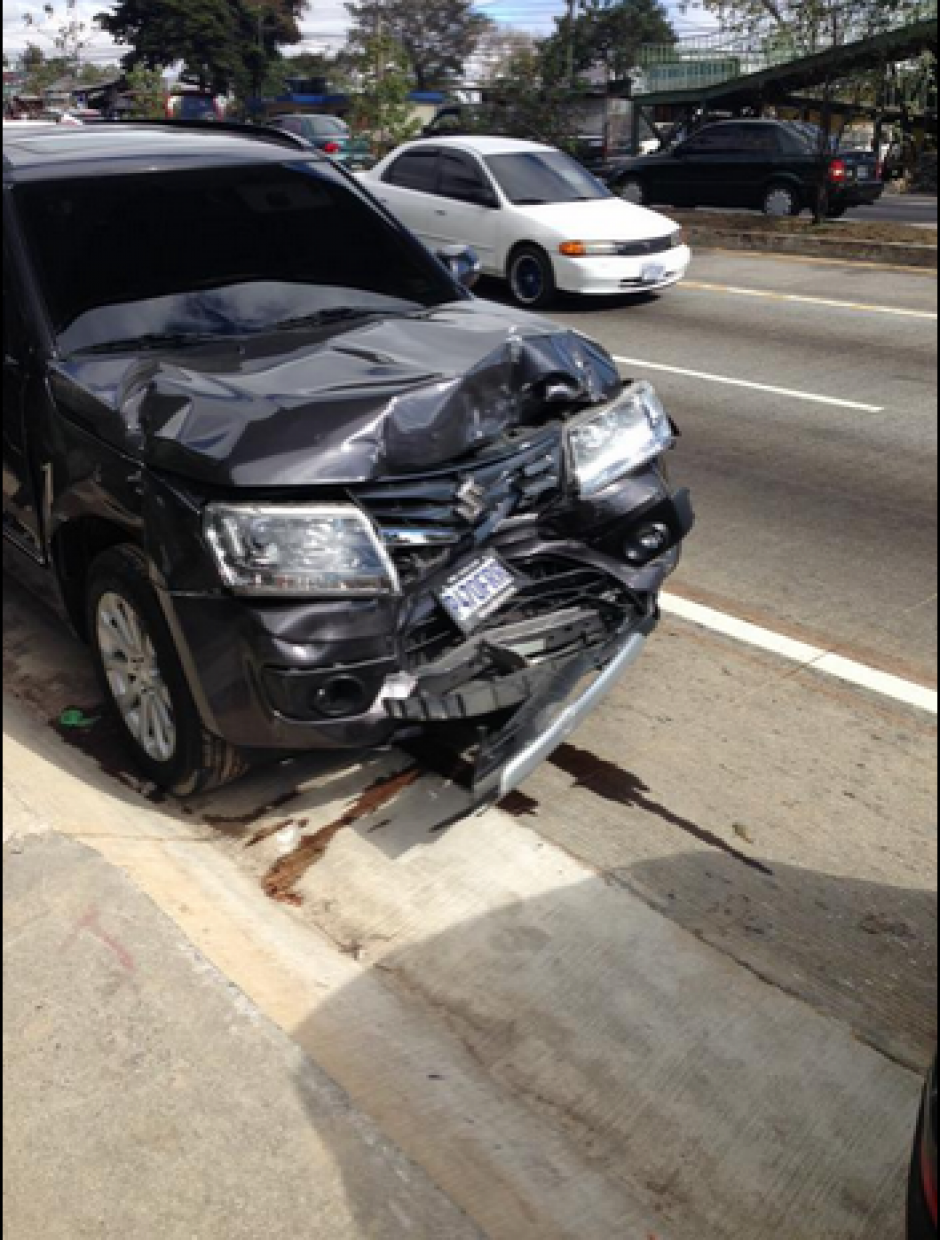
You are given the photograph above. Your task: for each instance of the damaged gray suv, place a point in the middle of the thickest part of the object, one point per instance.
(296, 487)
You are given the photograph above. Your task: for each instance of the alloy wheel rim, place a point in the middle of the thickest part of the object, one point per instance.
(780, 202)
(134, 677)
(528, 281)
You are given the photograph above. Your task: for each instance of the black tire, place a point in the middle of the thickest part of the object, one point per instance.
(836, 213)
(197, 760)
(633, 190)
(782, 201)
(532, 278)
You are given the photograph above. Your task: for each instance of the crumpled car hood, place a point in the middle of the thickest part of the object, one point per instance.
(387, 397)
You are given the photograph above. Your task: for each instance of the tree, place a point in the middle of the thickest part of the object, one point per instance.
(148, 94)
(223, 44)
(605, 35)
(808, 25)
(65, 31)
(499, 47)
(436, 37)
(524, 103)
(383, 103)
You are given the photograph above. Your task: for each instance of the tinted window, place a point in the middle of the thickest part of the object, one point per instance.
(218, 252)
(711, 141)
(415, 170)
(196, 108)
(537, 178)
(761, 139)
(461, 179)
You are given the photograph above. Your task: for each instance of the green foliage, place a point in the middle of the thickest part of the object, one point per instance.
(607, 35)
(526, 103)
(383, 108)
(436, 37)
(808, 24)
(148, 93)
(223, 44)
(64, 31)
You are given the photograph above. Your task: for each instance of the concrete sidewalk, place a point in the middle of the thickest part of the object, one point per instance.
(146, 1097)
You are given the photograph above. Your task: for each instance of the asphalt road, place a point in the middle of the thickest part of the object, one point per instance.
(816, 519)
(901, 209)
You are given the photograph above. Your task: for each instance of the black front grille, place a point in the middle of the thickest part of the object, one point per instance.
(455, 503)
(552, 585)
(638, 249)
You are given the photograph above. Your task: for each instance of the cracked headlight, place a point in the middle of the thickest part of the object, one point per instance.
(606, 443)
(303, 550)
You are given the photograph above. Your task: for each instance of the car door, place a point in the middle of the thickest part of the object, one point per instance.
(20, 513)
(753, 155)
(468, 208)
(698, 171)
(408, 187)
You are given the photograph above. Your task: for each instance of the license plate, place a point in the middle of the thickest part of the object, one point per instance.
(864, 174)
(476, 592)
(653, 273)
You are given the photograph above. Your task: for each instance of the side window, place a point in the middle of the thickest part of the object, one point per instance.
(461, 179)
(416, 170)
(709, 142)
(13, 335)
(759, 139)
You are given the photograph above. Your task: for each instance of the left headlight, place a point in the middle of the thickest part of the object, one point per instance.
(606, 443)
(303, 550)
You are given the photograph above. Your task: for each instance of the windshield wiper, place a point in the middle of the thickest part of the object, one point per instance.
(338, 314)
(154, 340)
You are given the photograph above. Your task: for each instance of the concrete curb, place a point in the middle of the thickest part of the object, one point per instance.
(889, 253)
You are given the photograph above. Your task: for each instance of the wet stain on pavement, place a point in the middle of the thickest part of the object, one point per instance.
(519, 805)
(101, 738)
(229, 821)
(611, 783)
(281, 880)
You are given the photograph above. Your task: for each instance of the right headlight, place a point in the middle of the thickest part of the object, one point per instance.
(606, 443)
(310, 550)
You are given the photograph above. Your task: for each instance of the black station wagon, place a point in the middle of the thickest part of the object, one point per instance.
(296, 487)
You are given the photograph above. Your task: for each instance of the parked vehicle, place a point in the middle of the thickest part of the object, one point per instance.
(534, 216)
(296, 487)
(774, 166)
(193, 105)
(329, 134)
(922, 1209)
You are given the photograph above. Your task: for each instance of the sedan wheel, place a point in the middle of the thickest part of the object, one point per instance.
(632, 190)
(781, 202)
(532, 278)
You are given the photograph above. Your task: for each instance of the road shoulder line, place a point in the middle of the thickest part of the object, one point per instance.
(812, 658)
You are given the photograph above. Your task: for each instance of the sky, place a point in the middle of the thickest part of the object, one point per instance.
(323, 27)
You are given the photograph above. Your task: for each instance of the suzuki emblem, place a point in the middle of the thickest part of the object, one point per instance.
(471, 501)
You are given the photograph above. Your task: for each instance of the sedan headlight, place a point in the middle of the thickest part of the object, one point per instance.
(606, 443)
(589, 249)
(305, 550)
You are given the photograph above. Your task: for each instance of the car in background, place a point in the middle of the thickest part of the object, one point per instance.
(329, 134)
(773, 166)
(922, 1195)
(534, 216)
(192, 105)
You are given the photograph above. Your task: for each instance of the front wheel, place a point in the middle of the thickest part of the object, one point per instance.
(143, 681)
(632, 190)
(532, 278)
(781, 202)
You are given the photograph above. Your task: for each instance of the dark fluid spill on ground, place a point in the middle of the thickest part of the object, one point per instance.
(519, 805)
(281, 880)
(611, 783)
(102, 739)
(227, 821)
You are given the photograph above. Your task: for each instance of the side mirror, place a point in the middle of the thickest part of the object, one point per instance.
(464, 264)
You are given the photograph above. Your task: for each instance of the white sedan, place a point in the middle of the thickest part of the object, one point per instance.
(534, 216)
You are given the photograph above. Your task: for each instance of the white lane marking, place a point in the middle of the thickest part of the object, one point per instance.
(802, 299)
(810, 657)
(812, 398)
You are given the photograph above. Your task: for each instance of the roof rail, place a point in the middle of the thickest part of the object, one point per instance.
(260, 133)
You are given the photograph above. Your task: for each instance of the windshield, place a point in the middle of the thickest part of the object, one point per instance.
(538, 178)
(324, 125)
(217, 253)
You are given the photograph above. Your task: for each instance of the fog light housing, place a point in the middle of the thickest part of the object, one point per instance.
(341, 697)
(648, 542)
